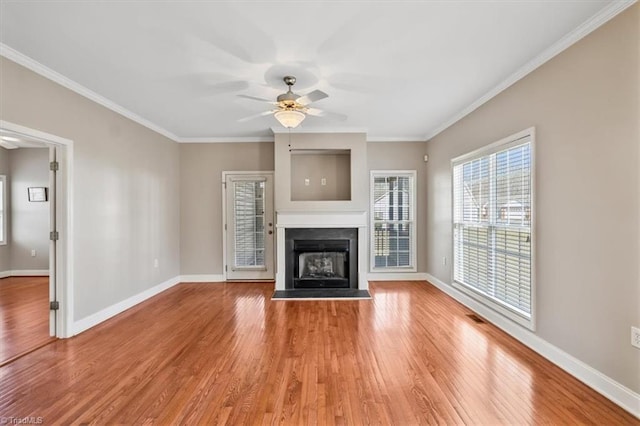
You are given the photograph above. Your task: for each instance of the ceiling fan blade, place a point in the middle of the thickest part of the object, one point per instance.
(251, 117)
(325, 114)
(314, 96)
(255, 98)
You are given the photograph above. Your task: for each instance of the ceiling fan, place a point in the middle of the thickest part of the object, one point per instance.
(291, 109)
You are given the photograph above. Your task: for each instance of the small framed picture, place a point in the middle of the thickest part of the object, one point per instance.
(38, 194)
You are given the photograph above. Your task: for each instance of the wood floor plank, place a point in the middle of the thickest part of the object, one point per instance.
(24, 315)
(227, 354)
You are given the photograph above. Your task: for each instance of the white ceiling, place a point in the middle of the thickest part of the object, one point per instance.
(402, 70)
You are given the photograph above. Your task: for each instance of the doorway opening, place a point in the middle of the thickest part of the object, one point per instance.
(34, 259)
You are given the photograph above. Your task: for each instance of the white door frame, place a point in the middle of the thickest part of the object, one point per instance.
(63, 317)
(224, 216)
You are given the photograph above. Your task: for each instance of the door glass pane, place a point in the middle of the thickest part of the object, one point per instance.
(248, 205)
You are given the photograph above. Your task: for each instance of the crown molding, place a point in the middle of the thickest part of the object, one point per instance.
(56, 77)
(300, 130)
(375, 139)
(237, 139)
(587, 27)
(231, 139)
(280, 130)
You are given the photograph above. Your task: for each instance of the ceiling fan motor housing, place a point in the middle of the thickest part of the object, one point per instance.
(288, 100)
(288, 97)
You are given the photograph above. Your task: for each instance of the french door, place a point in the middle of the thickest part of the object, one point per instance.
(249, 226)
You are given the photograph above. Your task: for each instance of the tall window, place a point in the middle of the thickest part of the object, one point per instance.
(492, 233)
(393, 230)
(3, 208)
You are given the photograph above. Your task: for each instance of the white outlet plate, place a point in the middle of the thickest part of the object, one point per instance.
(33, 253)
(323, 181)
(635, 337)
(306, 182)
(155, 263)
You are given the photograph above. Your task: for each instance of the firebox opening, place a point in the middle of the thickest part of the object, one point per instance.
(321, 265)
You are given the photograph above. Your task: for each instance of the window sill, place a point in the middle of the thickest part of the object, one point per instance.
(392, 270)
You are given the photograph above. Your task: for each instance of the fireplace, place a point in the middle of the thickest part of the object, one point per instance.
(317, 258)
(321, 227)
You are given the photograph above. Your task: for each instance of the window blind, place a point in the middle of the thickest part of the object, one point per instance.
(249, 230)
(492, 225)
(393, 228)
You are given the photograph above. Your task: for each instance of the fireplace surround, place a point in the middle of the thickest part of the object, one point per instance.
(319, 233)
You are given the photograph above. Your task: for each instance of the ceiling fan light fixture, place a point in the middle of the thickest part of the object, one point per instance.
(290, 118)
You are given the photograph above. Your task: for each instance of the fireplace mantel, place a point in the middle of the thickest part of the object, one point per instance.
(322, 219)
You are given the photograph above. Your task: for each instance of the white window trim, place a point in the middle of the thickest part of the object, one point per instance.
(3, 182)
(414, 238)
(506, 311)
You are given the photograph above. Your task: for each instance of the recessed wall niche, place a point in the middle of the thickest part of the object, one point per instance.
(320, 175)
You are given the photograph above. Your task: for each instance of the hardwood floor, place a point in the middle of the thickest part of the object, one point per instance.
(24, 315)
(226, 354)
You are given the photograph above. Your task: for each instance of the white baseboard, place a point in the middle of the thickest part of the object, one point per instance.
(30, 273)
(113, 310)
(396, 276)
(616, 392)
(210, 278)
(25, 273)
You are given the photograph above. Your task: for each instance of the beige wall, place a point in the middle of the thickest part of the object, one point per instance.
(126, 189)
(201, 167)
(335, 169)
(405, 156)
(29, 220)
(584, 106)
